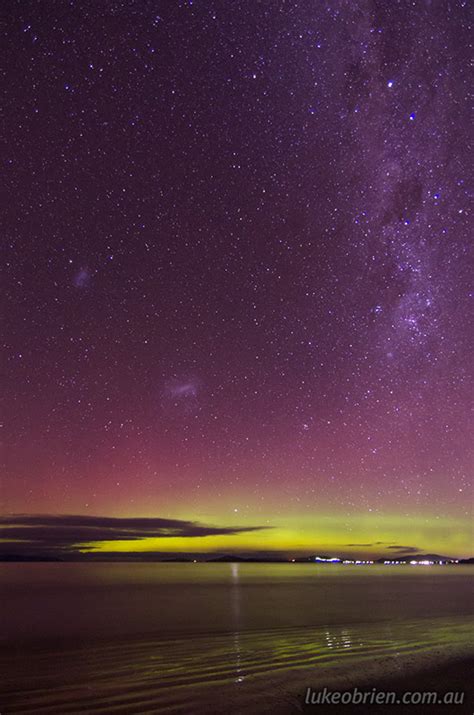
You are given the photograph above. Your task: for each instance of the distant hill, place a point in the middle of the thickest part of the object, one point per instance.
(415, 557)
(205, 557)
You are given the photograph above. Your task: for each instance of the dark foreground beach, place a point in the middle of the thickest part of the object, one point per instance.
(96, 683)
(453, 676)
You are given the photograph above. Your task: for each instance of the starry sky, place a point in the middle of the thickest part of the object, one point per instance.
(238, 275)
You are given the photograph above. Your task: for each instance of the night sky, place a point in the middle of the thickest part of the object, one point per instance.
(238, 286)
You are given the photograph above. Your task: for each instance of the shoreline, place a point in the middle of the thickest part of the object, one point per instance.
(452, 675)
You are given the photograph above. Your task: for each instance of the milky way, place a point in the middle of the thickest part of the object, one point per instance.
(238, 268)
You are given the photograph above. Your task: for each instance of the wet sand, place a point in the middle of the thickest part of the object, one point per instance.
(51, 684)
(453, 676)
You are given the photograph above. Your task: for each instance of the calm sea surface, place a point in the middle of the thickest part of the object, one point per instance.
(218, 638)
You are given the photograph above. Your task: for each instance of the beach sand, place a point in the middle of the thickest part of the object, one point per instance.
(278, 698)
(452, 676)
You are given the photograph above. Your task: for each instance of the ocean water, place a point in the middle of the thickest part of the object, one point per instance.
(218, 638)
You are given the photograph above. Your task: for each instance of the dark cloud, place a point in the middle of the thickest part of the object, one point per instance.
(405, 549)
(64, 535)
(374, 543)
(406, 200)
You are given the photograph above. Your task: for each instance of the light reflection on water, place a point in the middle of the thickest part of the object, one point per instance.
(239, 678)
(171, 673)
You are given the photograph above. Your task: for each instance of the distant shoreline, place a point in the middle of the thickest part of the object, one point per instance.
(127, 559)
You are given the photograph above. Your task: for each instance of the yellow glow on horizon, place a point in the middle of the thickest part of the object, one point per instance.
(361, 533)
